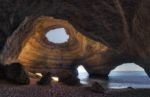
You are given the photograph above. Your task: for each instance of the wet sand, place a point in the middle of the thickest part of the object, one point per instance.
(60, 90)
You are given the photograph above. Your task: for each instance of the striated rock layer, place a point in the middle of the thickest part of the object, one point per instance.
(33, 49)
(117, 31)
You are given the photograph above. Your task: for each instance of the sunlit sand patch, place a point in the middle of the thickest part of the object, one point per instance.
(56, 79)
(39, 74)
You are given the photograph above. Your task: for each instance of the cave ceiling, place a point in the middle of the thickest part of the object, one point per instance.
(119, 26)
(102, 20)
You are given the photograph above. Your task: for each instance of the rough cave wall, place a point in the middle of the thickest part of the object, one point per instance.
(37, 54)
(99, 18)
(31, 48)
(122, 25)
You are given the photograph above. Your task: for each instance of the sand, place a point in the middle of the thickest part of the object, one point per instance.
(59, 90)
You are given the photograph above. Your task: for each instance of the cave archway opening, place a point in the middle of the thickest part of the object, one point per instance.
(128, 75)
(57, 36)
(83, 75)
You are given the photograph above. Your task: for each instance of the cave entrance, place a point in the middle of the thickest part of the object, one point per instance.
(57, 36)
(128, 75)
(82, 74)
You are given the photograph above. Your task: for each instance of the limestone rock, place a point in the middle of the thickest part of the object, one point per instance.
(68, 78)
(45, 80)
(96, 87)
(32, 48)
(2, 71)
(16, 74)
(111, 32)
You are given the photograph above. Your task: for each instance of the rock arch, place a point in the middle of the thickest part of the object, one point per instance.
(31, 48)
(127, 67)
(122, 25)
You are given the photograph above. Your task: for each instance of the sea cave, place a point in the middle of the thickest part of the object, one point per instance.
(44, 41)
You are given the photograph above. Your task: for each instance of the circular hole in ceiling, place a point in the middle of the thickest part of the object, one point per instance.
(57, 36)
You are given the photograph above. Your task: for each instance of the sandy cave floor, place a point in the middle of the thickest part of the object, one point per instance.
(60, 90)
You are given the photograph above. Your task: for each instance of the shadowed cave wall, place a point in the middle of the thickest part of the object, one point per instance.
(121, 26)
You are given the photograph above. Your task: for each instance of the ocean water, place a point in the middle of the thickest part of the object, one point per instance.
(120, 79)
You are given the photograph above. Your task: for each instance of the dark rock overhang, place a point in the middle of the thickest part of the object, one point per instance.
(121, 25)
(101, 20)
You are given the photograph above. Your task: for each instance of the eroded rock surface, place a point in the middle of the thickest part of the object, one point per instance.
(68, 78)
(32, 48)
(120, 28)
(14, 73)
(97, 88)
(45, 80)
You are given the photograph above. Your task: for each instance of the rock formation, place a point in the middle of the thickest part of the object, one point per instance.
(32, 48)
(103, 34)
(68, 78)
(97, 88)
(45, 80)
(14, 73)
